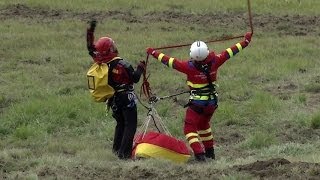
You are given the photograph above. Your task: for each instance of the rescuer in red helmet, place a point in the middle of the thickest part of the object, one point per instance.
(121, 78)
(201, 70)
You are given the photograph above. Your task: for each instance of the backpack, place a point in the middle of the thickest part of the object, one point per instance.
(98, 85)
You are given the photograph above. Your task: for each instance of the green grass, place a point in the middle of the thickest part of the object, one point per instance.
(49, 123)
(259, 140)
(315, 121)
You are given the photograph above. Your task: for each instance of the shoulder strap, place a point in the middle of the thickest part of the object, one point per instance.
(112, 64)
(205, 68)
(127, 66)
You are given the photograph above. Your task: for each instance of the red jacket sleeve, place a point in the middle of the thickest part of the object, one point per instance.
(179, 65)
(230, 52)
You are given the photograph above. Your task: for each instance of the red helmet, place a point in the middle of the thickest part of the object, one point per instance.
(106, 50)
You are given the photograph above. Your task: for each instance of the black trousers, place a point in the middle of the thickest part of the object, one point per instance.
(125, 113)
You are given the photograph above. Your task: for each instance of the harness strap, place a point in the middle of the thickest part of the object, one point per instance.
(207, 90)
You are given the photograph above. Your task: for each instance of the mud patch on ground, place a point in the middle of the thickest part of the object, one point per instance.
(280, 168)
(264, 168)
(47, 172)
(290, 131)
(228, 138)
(297, 25)
(45, 15)
(228, 135)
(313, 102)
(284, 91)
(300, 135)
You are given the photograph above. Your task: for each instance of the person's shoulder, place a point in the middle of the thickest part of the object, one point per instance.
(212, 54)
(125, 63)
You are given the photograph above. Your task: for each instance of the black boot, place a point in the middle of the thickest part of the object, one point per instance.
(200, 157)
(210, 153)
(124, 156)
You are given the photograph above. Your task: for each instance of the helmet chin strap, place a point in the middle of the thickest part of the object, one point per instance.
(204, 61)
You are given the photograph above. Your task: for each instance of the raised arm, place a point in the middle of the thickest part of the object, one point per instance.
(90, 38)
(233, 50)
(171, 62)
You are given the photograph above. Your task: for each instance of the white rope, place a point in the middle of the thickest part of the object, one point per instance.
(153, 116)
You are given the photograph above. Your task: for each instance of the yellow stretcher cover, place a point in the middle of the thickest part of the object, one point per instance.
(162, 146)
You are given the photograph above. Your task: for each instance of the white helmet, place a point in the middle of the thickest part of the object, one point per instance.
(199, 51)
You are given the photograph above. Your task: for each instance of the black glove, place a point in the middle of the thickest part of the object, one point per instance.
(247, 37)
(93, 24)
(142, 66)
(150, 50)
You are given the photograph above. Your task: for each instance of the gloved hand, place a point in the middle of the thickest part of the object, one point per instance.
(92, 25)
(142, 65)
(90, 37)
(247, 37)
(150, 50)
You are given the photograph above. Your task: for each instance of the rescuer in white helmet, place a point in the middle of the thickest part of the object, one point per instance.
(201, 70)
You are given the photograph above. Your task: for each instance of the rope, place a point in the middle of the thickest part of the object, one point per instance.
(154, 116)
(148, 108)
(210, 41)
(155, 99)
(250, 16)
(145, 87)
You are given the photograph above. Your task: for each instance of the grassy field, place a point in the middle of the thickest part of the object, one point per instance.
(267, 124)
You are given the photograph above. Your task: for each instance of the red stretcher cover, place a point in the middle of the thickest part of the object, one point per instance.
(161, 146)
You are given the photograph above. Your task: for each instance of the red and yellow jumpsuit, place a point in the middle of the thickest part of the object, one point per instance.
(201, 106)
